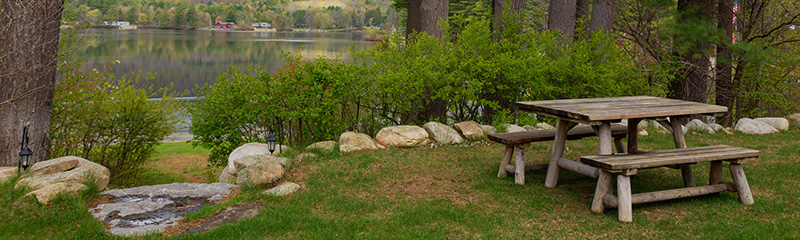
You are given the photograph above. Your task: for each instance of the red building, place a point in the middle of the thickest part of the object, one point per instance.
(224, 25)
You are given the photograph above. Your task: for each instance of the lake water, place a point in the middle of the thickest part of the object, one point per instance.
(189, 58)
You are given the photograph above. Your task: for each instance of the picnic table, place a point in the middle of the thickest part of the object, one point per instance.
(600, 113)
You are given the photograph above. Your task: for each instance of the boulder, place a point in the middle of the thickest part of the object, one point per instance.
(643, 133)
(403, 136)
(78, 175)
(250, 153)
(7, 173)
(795, 119)
(53, 166)
(245, 162)
(529, 128)
(259, 174)
(470, 130)
(303, 156)
(778, 123)
(329, 146)
(750, 126)
(542, 125)
(226, 177)
(352, 141)
(699, 126)
(48, 193)
(282, 189)
(513, 128)
(719, 128)
(442, 134)
(488, 129)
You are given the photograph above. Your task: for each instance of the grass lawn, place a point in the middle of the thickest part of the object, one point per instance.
(453, 192)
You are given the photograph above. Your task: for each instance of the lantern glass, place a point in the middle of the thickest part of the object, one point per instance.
(271, 142)
(25, 157)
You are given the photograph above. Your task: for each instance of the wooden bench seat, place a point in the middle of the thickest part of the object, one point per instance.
(516, 143)
(625, 165)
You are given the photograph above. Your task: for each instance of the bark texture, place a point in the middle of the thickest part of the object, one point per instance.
(603, 15)
(424, 16)
(561, 16)
(725, 90)
(28, 53)
(501, 7)
(691, 82)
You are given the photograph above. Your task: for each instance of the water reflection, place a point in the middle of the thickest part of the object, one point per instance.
(187, 58)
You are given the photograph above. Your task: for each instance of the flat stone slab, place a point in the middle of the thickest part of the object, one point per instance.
(151, 209)
(228, 215)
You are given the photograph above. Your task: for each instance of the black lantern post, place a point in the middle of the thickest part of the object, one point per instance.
(25, 152)
(271, 142)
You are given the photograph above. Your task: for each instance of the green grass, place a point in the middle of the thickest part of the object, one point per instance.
(453, 192)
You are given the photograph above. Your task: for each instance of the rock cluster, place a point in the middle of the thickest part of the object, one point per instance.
(65, 175)
(252, 165)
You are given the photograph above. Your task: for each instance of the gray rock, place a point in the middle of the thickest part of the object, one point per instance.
(245, 162)
(719, 128)
(78, 175)
(442, 134)
(260, 174)
(403, 136)
(351, 142)
(750, 126)
(49, 192)
(795, 119)
(644, 124)
(542, 125)
(282, 189)
(699, 126)
(778, 123)
(329, 146)
(211, 191)
(250, 153)
(470, 130)
(7, 173)
(488, 129)
(53, 166)
(227, 215)
(226, 177)
(643, 133)
(303, 156)
(529, 128)
(513, 128)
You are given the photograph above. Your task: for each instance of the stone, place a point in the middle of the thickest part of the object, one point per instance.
(719, 128)
(403, 136)
(529, 128)
(252, 152)
(282, 189)
(227, 215)
(7, 173)
(151, 209)
(352, 141)
(79, 175)
(699, 126)
(488, 129)
(513, 128)
(470, 130)
(328, 146)
(542, 125)
(303, 156)
(245, 162)
(259, 174)
(643, 133)
(750, 126)
(795, 119)
(226, 177)
(443, 134)
(644, 124)
(782, 124)
(48, 193)
(53, 166)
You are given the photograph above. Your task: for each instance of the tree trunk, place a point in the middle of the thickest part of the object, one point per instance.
(603, 15)
(517, 8)
(690, 84)
(424, 16)
(582, 12)
(725, 91)
(28, 53)
(561, 16)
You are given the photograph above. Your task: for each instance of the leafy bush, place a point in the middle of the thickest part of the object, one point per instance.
(108, 120)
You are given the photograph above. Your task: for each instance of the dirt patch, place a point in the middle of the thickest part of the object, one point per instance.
(192, 166)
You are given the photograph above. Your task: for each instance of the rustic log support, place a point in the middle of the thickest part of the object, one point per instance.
(624, 197)
(507, 155)
(612, 202)
(562, 128)
(633, 135)
(528, 168)
(578, 167)
(603, 187)
(741, 185)
(715, 173)
(519, 174)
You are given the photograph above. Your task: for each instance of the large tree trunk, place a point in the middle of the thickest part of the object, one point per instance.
(582, 12)
(499, 8)
(424, 16)
(28, 52)
(561, 16)
(725, 91)
(603, 15)
(690, 83)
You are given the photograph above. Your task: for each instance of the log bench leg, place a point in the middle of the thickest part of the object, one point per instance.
(519, 174)
(715, 173)
(740, 183)
(603, 187)
(509, 152)
(625, 207)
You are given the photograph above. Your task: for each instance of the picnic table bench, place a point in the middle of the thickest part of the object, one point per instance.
(625, 165)
(516, 142)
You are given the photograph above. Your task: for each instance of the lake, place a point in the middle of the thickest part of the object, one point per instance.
(189, 58)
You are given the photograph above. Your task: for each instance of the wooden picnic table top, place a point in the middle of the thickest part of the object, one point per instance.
(617, 108)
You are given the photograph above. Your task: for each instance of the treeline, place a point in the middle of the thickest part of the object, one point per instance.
(280, 14)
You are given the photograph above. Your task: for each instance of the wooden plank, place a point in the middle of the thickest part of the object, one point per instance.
(625, 207)
(504, 160)
(741, 185)
(578, 167)
(602, 188)
(551, 180)
(528, 168)
(618, 130)
(669, 157)
(648, 197)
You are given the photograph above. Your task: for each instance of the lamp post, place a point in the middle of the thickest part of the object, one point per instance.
(271, 142)
(272, 139)
(25, 152)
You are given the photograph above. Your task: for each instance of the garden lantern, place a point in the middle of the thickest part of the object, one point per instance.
(271, 142)
(25, 152)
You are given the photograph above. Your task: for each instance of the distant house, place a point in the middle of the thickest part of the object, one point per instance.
(262, 25)
(224, 25)
(118, 24)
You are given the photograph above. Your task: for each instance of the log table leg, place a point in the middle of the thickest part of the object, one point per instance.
(604, 137)
(509, 152)
(680, 142)
(715, 173)
(625, 207)
(519, 174)
(633, 135)
(741, 185)
(562, 128)
(603, 187)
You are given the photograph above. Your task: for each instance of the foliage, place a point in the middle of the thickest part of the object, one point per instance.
(105, 119)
